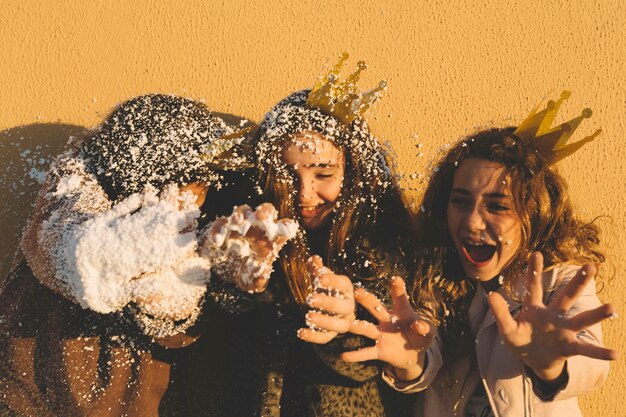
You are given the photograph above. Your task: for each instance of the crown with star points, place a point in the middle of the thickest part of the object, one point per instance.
(342, 99)
(551, 142)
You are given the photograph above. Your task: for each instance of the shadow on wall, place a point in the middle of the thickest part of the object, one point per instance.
(25, 155)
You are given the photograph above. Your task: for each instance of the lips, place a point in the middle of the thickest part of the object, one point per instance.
(308, 212)
(478, 254)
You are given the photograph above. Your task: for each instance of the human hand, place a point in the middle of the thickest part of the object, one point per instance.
(143, 233)
(542, 336)
(198, 189)
(243, 246)
(332, 304)
(402, 336)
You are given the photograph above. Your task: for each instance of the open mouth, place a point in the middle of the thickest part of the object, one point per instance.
(478, 254)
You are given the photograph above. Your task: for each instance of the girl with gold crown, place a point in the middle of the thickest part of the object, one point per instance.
(506, 275)
(319, 163)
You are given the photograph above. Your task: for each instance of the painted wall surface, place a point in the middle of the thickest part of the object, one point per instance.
(450, 66)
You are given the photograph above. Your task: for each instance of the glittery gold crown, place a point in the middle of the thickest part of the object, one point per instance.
(342, 99)
(232, 152)
(551, 142)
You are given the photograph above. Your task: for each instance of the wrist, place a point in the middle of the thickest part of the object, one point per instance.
(551, 374)
(413, 371)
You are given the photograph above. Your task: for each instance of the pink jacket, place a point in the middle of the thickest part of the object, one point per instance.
(446, 391)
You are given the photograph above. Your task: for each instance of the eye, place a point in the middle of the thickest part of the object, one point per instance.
(324, 175)
(460, 202)
(497, 207)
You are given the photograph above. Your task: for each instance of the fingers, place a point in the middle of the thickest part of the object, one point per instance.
(325, 322)
(361, 355)
(199, 189)
(334, 282)
(534, 291)
(590, 317)
(238, 219)
(568, 296)
(364, 328)
(500, 309)
(260, 245)
(315, 266)
(372, 304)
(421, 334)
(331, 304)
(591, 351)
(265, 211)
(399, 298)
(316, 336)
(260, 282)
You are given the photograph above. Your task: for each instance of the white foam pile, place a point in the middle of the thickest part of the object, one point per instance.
(237, 251)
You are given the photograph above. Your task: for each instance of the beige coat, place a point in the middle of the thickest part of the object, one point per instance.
(446, 391)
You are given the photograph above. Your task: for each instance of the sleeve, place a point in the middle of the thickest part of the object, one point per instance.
(433, 364)
(359, 371)
(228, 297)
(583, 374)
(69, 197)
(57, 359)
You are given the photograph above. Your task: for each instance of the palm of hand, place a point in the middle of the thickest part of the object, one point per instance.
(401, 336)
(542, 336)
(245, 245)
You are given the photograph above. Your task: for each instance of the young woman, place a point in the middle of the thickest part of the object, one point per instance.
(112, 260)
(506, 275)
(332, 175)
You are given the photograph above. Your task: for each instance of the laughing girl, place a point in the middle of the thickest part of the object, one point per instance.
(506, 275)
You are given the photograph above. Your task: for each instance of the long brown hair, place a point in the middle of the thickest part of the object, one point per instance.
(368, 225)
(542, 206)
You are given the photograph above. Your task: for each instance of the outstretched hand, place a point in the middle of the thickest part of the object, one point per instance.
(332, 304)
(402, 336)
(244, 245)
(542, 336)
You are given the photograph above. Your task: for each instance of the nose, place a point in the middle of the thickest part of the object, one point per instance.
(475, 220)
(306, 190)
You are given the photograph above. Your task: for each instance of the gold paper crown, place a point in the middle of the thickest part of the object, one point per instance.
(342, 99)
(551, 141)
(232, 152)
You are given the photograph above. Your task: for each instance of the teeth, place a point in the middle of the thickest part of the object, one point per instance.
(474, 243)
(309, 208)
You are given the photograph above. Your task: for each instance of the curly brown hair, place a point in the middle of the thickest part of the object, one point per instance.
(542, 206)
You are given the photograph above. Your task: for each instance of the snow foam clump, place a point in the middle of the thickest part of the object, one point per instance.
(142, 234)
(238, 244)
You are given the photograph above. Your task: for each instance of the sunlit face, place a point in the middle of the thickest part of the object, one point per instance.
(481, 218)
(317, 166)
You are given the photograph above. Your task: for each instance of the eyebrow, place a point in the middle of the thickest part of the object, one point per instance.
(319, 165)
(463, 191)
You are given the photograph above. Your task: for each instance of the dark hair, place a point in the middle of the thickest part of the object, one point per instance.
(152, 139)
(369, 223)
(542, 205)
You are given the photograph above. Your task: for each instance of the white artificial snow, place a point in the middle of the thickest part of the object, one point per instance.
(227, 245)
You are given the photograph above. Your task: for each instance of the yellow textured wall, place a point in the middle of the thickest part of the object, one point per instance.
(450, 66)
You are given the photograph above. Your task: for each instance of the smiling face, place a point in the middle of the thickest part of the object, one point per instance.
(317, 166)
(481, 219)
